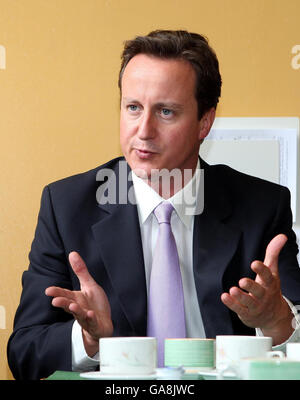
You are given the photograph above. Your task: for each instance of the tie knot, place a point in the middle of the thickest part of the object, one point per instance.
(163, 212)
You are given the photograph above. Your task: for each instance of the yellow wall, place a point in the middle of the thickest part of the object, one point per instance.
(59, 97)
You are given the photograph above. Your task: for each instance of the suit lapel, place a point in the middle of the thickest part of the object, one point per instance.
(215, 242)
(118, 238)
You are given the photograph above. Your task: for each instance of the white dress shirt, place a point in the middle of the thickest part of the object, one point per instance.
(182, 224)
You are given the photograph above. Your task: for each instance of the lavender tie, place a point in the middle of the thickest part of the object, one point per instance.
(165, 305)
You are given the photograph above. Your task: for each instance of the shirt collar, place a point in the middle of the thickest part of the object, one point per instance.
(185, 201)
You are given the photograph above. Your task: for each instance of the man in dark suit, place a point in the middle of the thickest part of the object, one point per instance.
(91, 258)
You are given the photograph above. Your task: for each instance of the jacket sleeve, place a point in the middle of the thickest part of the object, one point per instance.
(41, 338)
(288, 266)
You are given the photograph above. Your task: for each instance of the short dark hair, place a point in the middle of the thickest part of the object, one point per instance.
(179, 44)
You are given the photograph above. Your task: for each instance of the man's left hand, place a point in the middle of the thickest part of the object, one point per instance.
(259, 303)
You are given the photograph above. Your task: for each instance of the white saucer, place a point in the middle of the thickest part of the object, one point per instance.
(195, 370)
(213, 374)
(100, 375)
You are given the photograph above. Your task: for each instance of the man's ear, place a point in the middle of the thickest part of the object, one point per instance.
(206, 122)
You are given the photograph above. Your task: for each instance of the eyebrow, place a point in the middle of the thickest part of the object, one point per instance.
(129, 100)
(175, 106)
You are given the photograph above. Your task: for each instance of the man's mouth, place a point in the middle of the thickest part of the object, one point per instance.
(144, 154)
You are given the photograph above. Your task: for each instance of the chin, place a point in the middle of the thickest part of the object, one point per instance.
(141, 172)
(141, 168)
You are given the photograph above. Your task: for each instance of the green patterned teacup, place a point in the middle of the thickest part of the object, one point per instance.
(191, 352)
(269, 369)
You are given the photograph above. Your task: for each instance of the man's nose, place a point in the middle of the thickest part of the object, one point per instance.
(147, 126)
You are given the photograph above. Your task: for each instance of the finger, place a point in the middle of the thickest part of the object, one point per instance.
(80, 269)
(62, 302)
(86, 318)
(83, 316)
(264, 274)
(273, 251)
(75, 309)
(233, 304)
(71, 307)
(243, 298)
(55, 291)
(252, 287)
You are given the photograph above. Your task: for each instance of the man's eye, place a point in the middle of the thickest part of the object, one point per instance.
(132, 107)
(166, 112)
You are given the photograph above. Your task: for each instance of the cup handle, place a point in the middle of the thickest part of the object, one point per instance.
(228, 368)
(275, 354)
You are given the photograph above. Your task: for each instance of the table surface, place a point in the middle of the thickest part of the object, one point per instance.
(65, 376)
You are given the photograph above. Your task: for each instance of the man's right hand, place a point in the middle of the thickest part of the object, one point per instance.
(89, 305)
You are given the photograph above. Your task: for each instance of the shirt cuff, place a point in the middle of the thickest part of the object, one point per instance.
(295, 336)
(80, 360)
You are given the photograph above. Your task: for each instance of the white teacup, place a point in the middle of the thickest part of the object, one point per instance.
(230, 349)
(293, 351)
(128, 355)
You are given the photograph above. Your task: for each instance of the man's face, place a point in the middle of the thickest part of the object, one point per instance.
(159, 127)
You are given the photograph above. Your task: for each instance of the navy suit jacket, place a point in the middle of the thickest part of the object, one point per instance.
(241, 215)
